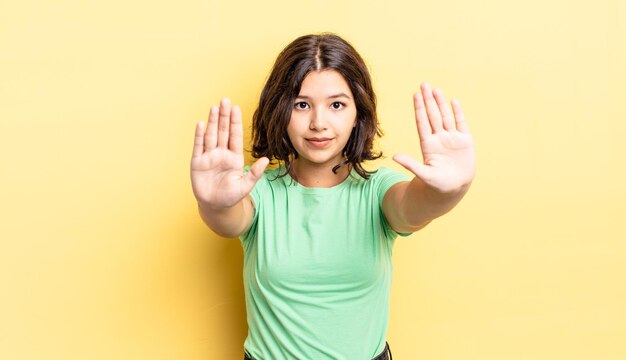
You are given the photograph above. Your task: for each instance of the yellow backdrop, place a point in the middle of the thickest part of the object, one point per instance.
(103, 255)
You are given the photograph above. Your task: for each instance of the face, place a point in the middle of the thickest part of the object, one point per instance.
(322, 118)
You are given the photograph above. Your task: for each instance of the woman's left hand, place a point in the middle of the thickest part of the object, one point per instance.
(446, 143)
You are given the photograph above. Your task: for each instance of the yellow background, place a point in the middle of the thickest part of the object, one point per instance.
(103, 255)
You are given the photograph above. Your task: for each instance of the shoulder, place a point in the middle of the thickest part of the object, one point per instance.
(384, 179)
(385, 175)
(274, 173)
(271, 181)
(378, 183)
(274, 177)
(269, 174)
(384, 171)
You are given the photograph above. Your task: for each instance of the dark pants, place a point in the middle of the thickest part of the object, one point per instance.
(385, 355)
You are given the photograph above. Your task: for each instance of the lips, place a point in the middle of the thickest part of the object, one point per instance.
(319, 142)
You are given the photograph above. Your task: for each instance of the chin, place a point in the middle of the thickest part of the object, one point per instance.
(323, 161)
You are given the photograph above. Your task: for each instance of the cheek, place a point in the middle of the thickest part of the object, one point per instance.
(292, 130)
(352, 121)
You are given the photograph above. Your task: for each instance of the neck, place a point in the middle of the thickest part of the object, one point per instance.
(320, 176)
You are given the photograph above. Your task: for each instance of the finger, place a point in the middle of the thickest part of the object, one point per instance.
(420, 170)
(421, 118)
(210, 136)
(434, 116)
(444, 109)
(235, 141)
(223, 124)
(198, 142)
(255, 172)
(461, 124)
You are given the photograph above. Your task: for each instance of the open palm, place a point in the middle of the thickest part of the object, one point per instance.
(445, 140)
(217, 164)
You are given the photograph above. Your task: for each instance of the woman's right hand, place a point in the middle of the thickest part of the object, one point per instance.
(217, 164)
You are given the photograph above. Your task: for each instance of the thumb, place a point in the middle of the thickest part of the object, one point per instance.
(420, 170)
(255, 173)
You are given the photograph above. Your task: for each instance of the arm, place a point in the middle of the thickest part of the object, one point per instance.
(228, 222)
(217, 175)
(448, 168)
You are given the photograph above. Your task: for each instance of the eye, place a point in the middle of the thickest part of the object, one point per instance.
(337, 105)
(301, 105)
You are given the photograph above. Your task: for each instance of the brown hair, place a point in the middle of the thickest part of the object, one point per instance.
(305, 54)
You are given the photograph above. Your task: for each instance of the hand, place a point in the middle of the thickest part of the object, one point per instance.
(217, 174)
(446, 143)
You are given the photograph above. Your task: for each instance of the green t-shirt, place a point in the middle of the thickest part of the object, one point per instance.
(317, 268)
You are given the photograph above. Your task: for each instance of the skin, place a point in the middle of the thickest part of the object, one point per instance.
(448, 168)
(217, 174)
(322, 120)
(319, 129)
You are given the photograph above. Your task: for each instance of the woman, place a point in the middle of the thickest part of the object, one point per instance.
(318, 230)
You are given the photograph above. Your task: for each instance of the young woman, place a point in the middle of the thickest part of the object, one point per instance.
(318, 230)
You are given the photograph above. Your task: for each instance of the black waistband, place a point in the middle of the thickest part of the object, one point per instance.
(385, 355)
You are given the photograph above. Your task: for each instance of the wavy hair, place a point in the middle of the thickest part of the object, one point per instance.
(308, 53)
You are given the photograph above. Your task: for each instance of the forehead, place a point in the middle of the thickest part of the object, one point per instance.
(324, 83)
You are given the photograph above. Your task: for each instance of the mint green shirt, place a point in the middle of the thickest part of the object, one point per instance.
(317, 268)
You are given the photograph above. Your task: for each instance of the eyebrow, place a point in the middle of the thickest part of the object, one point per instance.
(330, 97)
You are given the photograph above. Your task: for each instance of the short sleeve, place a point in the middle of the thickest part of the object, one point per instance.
(256, 195)
(385, 179)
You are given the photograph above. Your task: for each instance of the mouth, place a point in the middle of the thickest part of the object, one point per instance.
(319, 142)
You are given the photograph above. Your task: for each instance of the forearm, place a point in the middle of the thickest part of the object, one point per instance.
(420, 204)
(227, 222)
(410, 206)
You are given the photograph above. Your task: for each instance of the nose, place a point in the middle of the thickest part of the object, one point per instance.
(317, 122)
